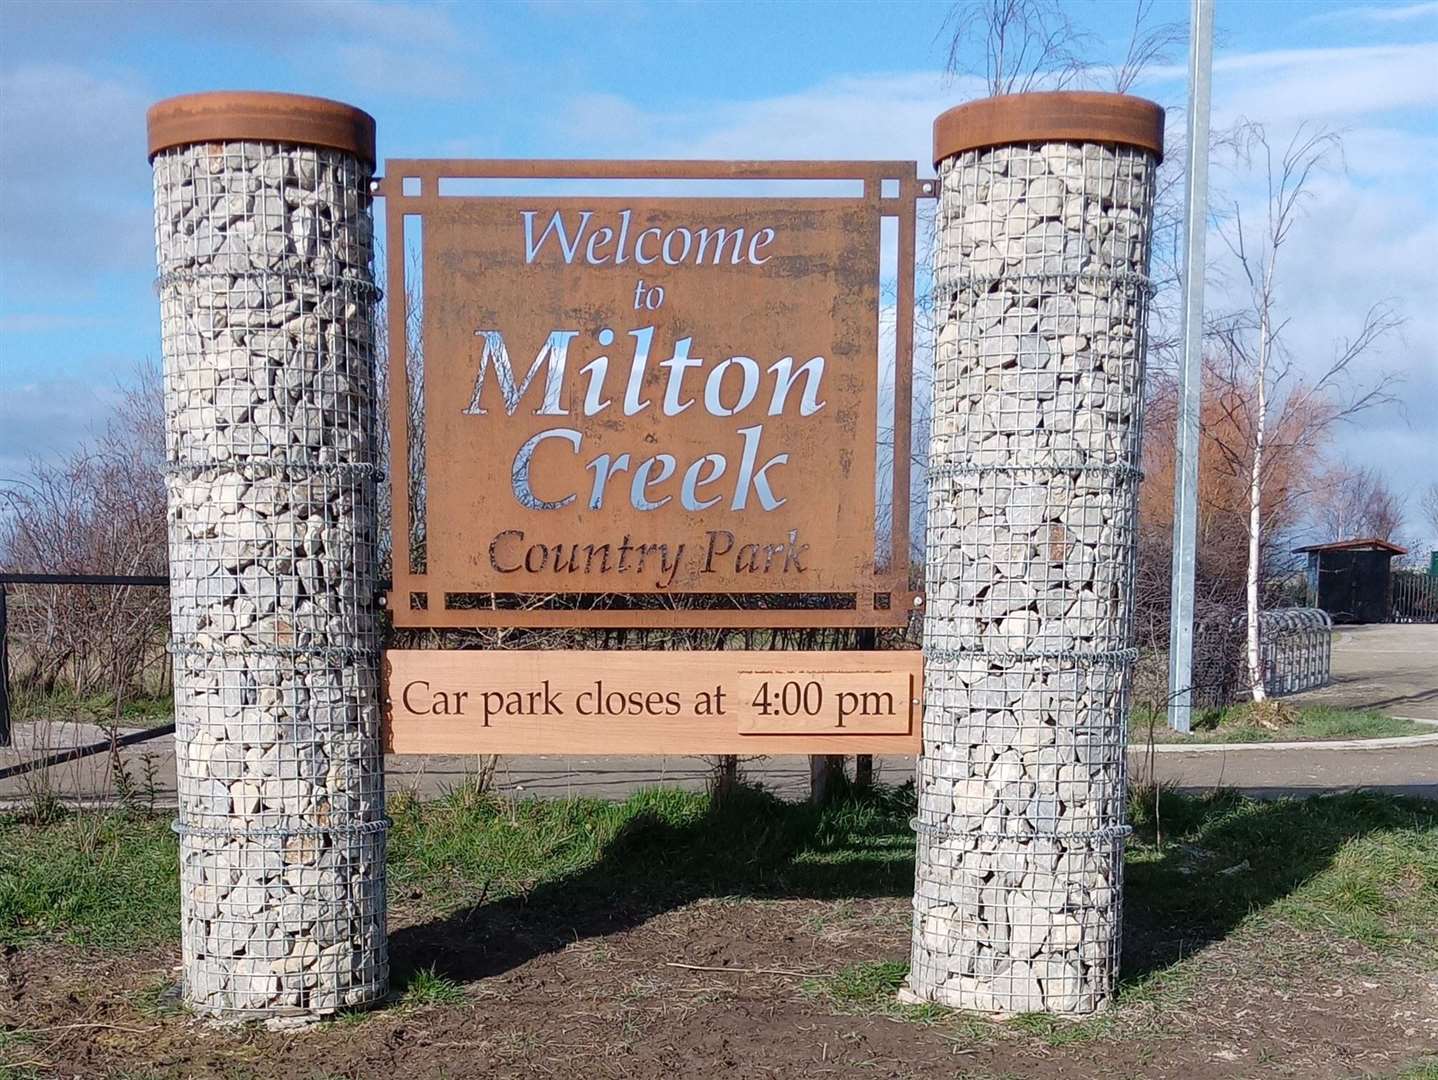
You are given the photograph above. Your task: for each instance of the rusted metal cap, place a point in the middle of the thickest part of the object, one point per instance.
(233, 115)
(1061, 116)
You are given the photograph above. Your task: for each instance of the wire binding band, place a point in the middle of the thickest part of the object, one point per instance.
(320, 282)
(944, 286)
(1117, 470)
(339, 653)
(1111, 657)
(1107, 834)
(359, 828)
(272, 467)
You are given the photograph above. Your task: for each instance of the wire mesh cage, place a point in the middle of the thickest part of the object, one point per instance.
(1041, 292)
(266, 291)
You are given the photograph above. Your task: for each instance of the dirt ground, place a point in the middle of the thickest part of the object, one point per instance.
(736, 988)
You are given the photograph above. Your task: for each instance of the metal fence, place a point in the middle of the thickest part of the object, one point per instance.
(1295, 650)
(1414, 597)
(121, 580)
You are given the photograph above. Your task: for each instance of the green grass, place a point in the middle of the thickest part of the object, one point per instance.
(1312, 723)
(1358, 867)
(871, 989)
(863, 984)
(17, 1053)
(654, 846)
(427, 987)
(89, 879)
(62, 703)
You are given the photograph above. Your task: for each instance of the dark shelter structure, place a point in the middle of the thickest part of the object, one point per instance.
(1351, 579)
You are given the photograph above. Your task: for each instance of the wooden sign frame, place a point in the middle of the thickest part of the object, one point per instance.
(631, 701)
(882, 596)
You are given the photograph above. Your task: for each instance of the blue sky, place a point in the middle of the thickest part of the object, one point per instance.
(676, 79)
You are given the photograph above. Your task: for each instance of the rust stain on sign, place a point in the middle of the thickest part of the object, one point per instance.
(649, 396)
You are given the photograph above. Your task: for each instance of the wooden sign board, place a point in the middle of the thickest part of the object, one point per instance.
(642, 702)
(640, 396)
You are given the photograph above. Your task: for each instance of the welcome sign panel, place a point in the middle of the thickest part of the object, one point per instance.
(627, 396)
(648, 396)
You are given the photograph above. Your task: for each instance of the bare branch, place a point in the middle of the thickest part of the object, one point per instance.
(1148, 45)
(1024, 44)
(1428, 507)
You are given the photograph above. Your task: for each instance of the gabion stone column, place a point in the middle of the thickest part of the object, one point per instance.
(1042, 252)
(263, 230)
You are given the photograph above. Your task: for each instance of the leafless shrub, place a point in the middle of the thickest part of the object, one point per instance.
(100, 510)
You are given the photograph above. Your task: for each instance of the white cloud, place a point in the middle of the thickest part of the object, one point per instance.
(395, 49)
(72, 152)
(412, 24)
(403, 71)
(398, 49)
(45, 419)
(1388, 13)
(1327, 84)
(1367, 237)
(1335, 84)
(874, 116)
(1390, 154)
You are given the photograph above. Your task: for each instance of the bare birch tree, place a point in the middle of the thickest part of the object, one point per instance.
(1020, 45)
(1017, 46)
(1255, 336)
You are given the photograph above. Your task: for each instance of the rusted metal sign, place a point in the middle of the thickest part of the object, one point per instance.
(626, 397)
(636, 702)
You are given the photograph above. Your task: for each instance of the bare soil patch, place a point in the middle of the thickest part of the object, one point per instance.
(621, 1005)
(668, 936)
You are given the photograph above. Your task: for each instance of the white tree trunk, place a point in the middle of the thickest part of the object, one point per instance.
(1255, 516)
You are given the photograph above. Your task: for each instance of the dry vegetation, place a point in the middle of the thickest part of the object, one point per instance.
(100, 510)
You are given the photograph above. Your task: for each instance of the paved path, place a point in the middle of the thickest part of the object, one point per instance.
(1390, 668)
(1393, 668)
(1258, 772)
